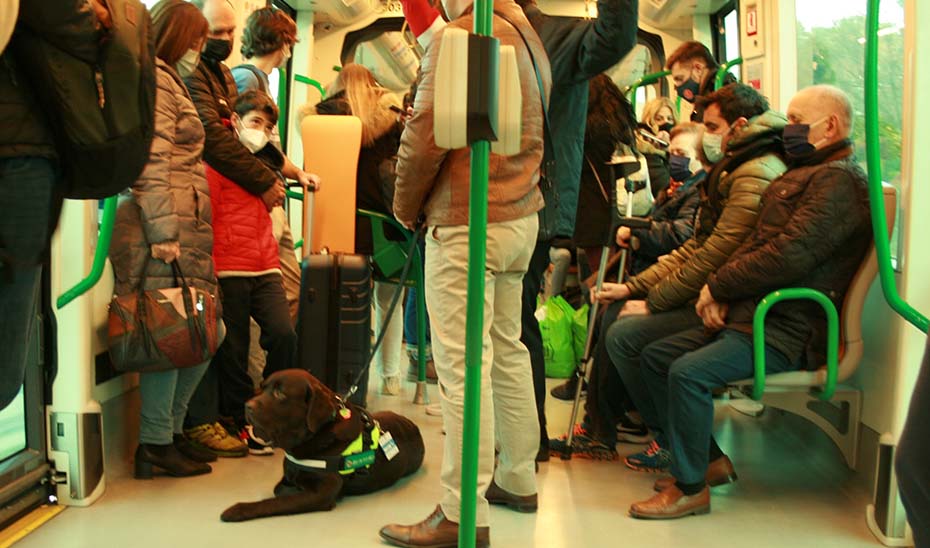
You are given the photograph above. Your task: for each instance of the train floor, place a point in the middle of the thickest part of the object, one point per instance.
(794, 490)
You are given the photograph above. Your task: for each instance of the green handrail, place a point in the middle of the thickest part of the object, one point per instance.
(758, 336)
(474, 308)
(311, 82)
(646, 80)
(724, 68)
(100, 255)
(874, 158)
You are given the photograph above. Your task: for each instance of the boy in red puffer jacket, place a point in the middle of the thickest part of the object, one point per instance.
(247, 265)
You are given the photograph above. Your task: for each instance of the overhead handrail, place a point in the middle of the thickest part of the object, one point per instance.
(100, 255)
(311, 82)
(874, 158)
(724, 69)
(646, 80)
(758, 337)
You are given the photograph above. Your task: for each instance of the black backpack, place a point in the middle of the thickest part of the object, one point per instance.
(97, 90)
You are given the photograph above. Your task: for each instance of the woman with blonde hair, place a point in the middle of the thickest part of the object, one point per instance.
(356, 93)
(652, 140)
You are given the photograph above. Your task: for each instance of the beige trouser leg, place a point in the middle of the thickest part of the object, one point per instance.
(507, 402)
(290, 268)
(391, 351)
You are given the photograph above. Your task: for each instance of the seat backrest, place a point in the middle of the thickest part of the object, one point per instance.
(851, 315)
(331, 149)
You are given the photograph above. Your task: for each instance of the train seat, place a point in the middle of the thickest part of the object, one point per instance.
(798, 391)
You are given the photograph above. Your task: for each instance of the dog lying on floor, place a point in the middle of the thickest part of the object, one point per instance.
(316, 429)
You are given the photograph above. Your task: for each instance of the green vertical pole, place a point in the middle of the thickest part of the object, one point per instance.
(876, 193)
(474, 318)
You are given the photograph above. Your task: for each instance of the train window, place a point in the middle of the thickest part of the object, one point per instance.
(726, 38)
(831, 47)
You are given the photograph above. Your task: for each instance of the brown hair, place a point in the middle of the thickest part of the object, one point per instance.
(689, 51)
(266, 31)
(255, 99)
(735, 101)
(177, 26)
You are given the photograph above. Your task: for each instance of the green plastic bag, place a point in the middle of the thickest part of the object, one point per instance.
(555, 324)
(580, 331)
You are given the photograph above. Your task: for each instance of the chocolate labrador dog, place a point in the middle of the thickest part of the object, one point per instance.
(299, 414)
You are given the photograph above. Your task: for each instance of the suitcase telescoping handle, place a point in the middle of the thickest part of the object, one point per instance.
(307, 203)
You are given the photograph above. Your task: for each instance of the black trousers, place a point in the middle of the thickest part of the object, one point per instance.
(607, 398)
(530, 335)
(226, 386)
(914, 455)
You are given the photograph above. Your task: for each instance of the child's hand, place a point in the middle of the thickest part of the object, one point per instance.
(274, 196)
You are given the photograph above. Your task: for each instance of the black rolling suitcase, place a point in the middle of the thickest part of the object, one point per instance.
(334, 318)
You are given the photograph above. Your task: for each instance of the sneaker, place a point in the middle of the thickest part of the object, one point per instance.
(584, 446)
(653, 459)
(214, 438)
(390, 386)
(257, 446)
(566, 390)
(629, 431)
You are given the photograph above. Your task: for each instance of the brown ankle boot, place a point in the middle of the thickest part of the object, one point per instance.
(434, 532)
(497, 495)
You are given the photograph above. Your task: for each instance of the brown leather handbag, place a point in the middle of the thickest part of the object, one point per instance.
(161, 329)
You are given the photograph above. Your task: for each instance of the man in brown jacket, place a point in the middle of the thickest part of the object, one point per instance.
(435, 181)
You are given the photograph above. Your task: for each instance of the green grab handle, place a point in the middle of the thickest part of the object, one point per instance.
(724, 68)
(311, 82)
(474, 308)
(100, 255)
(758, 337)
(294, 194)
(646, 80)
(874, 162)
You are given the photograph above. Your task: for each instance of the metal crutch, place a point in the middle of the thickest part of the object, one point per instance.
(626, 168)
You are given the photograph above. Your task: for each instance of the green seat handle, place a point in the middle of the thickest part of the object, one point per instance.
(758, 336)
(724, 69)
(100, 255)
(311, 82)
(874, 160)
(646, 80)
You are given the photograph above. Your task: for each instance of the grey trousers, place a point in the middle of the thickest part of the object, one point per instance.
(165, 396)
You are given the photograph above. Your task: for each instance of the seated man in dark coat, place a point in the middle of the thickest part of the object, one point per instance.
(813, 231)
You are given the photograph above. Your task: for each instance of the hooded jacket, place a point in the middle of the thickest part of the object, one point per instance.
(169, 202)
(813, 231)
(672, 224)
(730, 203)
(578, 51)
(435, 181)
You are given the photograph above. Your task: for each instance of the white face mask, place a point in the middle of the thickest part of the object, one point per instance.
(713, 147)
(252, 139)
(455, 8)
(187, 64)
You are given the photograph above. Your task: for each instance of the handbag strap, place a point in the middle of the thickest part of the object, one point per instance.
(598, 177)
(198, 332)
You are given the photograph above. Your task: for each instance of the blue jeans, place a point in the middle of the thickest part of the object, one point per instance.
(681, 372)
(25, 209)
(625, 340)
(165, 396)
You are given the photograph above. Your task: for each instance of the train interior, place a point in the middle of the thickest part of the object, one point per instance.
(812, 472)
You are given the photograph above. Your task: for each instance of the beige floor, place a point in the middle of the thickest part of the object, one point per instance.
(793, 491)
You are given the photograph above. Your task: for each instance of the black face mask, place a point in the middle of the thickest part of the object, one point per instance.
(217, 49)
(666, 127)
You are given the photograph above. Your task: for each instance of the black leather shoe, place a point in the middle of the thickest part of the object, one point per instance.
(191, 451)
(169, 459)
